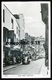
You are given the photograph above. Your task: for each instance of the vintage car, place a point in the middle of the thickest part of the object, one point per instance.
(25, 58)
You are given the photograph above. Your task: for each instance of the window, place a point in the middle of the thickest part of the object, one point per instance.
(36, 42)
(17, 30)
(3, 15)
(31, 42)
(11, 20)
(12, 23)
(39, 42)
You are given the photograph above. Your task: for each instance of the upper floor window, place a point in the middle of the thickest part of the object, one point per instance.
(39, 42)
(17, 30)
(12, 23)
(3, 15)
(36, 42)
(11, 20)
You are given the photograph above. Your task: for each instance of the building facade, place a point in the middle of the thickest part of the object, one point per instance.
(10, 26)
(10, 33)
(22, 26)
(39, 41)
(44, 13)
(30, 38)
(18, 28)
(21, 23)
(13, 31)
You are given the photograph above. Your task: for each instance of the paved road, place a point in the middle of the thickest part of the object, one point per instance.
(33, 68)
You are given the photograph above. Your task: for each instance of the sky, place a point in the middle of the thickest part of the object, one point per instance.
(34, 25)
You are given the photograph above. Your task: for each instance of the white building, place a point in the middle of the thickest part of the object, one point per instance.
(9, 22)
(10, 31)
(39, 41)
(22, 26)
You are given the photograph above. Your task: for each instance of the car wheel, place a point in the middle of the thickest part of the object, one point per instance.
(22, 62)
(28, 61)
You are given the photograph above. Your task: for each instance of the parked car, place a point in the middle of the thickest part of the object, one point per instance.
(25, 58)
(17, 54)
(18, 59)
(8, 60)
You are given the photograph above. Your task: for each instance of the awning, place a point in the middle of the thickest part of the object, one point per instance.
(31, 46)
(16, 47)
(6, 48)
(9, 46)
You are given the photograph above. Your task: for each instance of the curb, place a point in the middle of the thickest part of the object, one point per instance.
(43, 70)
(10, 67)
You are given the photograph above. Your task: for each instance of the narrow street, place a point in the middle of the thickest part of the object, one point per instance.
(33, 68)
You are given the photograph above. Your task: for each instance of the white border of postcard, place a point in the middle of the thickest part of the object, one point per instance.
(28, 76)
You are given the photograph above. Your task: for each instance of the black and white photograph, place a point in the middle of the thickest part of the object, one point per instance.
(26, 39)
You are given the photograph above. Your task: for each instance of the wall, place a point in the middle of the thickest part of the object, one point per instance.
(44, 13)
(8, 17)
(22, 26)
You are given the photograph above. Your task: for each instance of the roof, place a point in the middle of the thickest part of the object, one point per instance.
(16, 16)
(39, 39)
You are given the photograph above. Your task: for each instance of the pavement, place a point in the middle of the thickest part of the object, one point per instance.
(43, 69)
(9, 67)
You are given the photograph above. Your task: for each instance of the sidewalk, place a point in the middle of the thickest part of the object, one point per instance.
(44, 70)
(10, 67)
